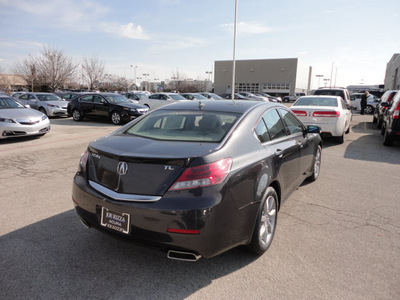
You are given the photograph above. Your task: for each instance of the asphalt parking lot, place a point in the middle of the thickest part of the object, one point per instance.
(337, 238)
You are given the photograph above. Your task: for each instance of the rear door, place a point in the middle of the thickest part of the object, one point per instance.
(305, 151)
(86, 104)
(284, 148)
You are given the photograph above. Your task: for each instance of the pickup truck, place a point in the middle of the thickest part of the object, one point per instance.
(292, 97)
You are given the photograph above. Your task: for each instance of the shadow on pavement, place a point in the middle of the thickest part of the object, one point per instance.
(58, 258)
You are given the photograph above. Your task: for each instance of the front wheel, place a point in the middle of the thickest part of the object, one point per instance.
(43, 111)
(369, 110)
(76, 115)
(317, 165)
(264, 229)
(116, 118)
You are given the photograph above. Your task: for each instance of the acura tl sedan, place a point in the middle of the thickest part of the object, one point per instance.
(47, 103)
(197, 178)
(16, 120)
(111, 106)
(330, 113)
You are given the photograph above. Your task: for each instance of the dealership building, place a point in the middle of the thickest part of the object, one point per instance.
(392, 76)
(277, 77)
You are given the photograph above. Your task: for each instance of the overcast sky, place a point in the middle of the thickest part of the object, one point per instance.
(356, 37)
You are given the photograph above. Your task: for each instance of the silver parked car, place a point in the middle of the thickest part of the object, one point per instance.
(47, 103)
(157, 100)
(17, 120)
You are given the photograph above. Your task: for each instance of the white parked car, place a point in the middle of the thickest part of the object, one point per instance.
(330, 113)
(372, 101)
(16, 120)
(47, 103)
(157, 100)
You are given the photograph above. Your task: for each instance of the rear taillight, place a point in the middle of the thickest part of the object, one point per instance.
(396, 114)
(300, 113)
(204, 175)
(329, 114)
(83, 161)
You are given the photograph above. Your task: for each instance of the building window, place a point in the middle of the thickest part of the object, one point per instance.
(247, 87)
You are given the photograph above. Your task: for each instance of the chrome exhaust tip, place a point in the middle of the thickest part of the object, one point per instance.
(183, 256)
(84, 223)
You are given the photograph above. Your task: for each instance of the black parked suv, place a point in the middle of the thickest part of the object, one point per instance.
(391, 121)
(105, 105)
(380, 110)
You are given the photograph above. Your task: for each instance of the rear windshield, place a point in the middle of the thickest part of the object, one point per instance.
(188, 126)
(316, 101)
(330, 93)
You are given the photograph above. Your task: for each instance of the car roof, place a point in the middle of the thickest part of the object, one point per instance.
(239, 106)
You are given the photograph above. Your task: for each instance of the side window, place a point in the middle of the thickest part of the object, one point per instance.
(292, 124)
(24, 97)
(274, 124)
(262, 132)
(163, 97)
(155, 96)
(86, 99)
(97, 99)
(31, 97)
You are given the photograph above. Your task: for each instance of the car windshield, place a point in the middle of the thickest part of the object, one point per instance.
(177, 97)
(6, 103)
(116, 99)
(187, 126)
(216, 97)
(316, 101)
(48, 97)
(200, 97)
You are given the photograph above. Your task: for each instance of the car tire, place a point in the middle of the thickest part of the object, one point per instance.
(383, 128)
(43, 111)
(264, 229)
(379, 123)
(369, 110)
(387, 139)
(76, 115)
(348, 130)
(116, 118)
(340, 139)
(316, 165)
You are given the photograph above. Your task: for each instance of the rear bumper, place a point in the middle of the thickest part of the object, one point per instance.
(214, 218)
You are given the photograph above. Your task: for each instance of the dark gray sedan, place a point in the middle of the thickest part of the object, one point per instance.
(197, 178)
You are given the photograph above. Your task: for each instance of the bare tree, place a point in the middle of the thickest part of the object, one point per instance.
(54, 68)
(28, 70)
(92, 71)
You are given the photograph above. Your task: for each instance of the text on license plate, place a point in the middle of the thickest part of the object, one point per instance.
(114, 220)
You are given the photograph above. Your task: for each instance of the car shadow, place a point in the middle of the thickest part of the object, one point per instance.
(361, 149)
(59, 258)
(100, 122)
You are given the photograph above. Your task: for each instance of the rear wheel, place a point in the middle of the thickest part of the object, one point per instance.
(316, 165)
(266, 223)
(340, 139)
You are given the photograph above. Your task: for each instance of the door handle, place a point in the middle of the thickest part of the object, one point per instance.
(279, 153)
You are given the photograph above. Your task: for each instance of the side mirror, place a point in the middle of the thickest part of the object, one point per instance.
(384, 104)
(313, 129)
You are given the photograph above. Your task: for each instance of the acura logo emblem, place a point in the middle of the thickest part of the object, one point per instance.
(122, 168)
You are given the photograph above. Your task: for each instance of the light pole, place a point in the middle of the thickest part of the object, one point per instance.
(326, 80)
(209, 73)
(319, 77)
(134, 71)
(234, 53)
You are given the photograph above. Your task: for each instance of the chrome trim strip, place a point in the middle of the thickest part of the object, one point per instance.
(123, 197)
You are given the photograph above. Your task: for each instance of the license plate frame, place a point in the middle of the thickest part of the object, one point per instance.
(117, 221)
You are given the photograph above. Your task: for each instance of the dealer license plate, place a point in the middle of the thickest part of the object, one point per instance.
(115, 220)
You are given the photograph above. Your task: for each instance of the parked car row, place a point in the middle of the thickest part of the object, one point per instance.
(390, 125)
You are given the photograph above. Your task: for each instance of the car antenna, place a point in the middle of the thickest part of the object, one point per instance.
(201, 105)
